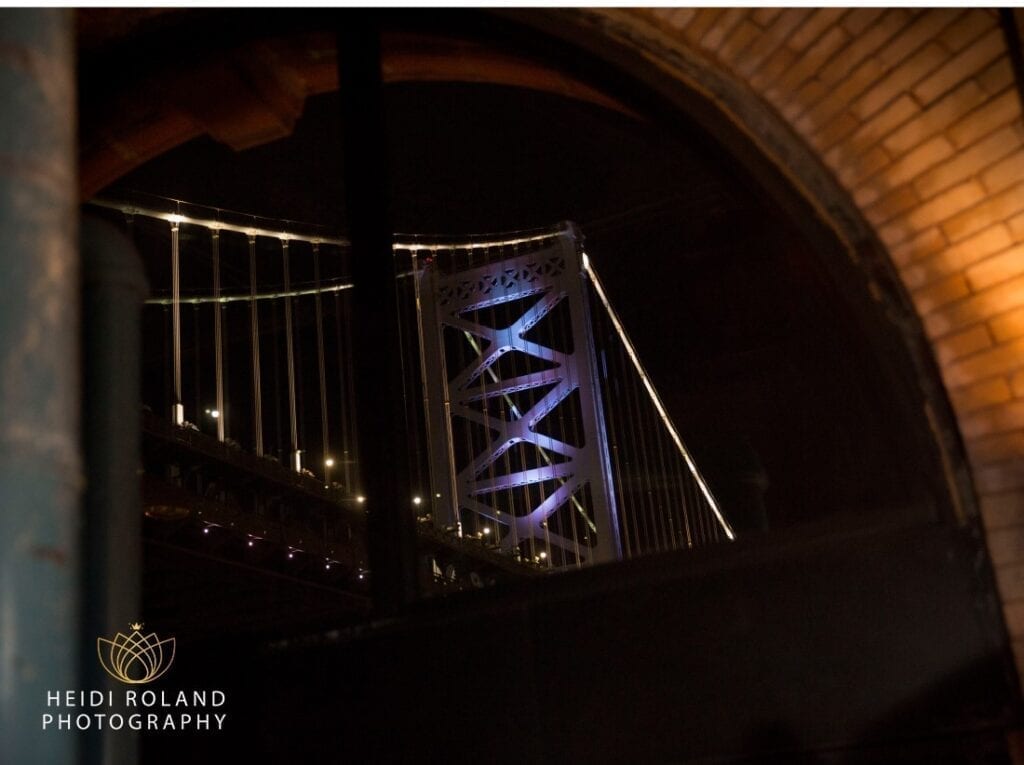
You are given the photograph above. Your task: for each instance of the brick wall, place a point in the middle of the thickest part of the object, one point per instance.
(917, 115)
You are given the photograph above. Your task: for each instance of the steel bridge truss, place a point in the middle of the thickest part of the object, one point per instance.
(496, 485)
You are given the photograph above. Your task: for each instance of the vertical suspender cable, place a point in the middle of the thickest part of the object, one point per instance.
(275, 399)
(664, 492)
(496, 496)
(647, 437)
(197, 372)
(178, 407)
(322, 367)
(636, 470)
(300, 368)
(296, 455)
(408, 409)
(683, 480)
(418, 274)
(254, 323)
(603, 342)
(350, 389)
(343, 353)
(644, 477)
(218, 335)
(167, 392)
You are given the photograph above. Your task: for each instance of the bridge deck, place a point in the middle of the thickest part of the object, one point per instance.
(295, 511)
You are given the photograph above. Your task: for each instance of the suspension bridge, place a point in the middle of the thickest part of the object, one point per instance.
(536, 439)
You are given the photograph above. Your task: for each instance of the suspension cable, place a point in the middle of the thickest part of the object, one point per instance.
(321, 367)
(254, 325)
(296, 454)
(218, 335)
(655, 398)
(178, 407)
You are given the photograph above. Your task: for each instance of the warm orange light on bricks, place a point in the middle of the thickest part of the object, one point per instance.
(918, 117)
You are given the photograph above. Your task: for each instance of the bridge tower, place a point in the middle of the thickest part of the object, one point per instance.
(518, 446)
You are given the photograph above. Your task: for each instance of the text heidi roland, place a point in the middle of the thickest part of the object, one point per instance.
(190, 711)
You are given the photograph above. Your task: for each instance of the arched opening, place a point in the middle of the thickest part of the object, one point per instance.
(781, 344)
(792, 368)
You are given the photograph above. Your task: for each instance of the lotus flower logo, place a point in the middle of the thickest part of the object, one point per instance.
(135, 658)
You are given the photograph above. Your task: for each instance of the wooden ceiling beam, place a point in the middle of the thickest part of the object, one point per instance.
(256, 92)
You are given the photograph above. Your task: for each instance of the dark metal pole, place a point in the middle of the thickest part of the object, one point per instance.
(114, 290)
(1012, 20)
(377, 346)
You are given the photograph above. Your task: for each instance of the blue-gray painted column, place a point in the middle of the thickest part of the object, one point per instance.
(114, 288)
(40, 468)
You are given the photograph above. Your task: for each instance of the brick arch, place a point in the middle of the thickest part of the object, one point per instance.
(901, 126)
(916, 116)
